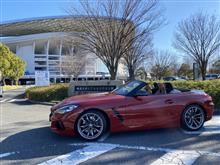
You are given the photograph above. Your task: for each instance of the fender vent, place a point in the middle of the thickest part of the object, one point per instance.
(118, 115)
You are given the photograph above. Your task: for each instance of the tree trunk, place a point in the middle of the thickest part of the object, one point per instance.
(131, 74)
(16, 82)
(113, 74)
(203, 70)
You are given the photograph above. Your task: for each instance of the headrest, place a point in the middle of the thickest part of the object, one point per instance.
(168, 86)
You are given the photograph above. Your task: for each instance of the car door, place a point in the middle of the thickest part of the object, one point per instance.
(148, 111)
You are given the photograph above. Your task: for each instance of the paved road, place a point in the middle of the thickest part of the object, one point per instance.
(27, 139)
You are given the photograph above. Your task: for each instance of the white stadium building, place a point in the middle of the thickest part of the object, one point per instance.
(39, 42)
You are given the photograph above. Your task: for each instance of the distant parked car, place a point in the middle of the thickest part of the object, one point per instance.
(173, 78)
(183, 77)
(212, 76)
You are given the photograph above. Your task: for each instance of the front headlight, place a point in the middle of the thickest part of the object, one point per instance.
(67, 108)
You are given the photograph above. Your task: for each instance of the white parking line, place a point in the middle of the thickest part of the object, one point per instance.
(80, 155)
(178, 158)
(6, 154)
(147, 148)
(92, 150)
(210, 127)
(171, 156)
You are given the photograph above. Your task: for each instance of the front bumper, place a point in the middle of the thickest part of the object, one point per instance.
(209, 110)
(61, 124)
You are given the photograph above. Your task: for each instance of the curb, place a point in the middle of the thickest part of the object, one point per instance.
(43, 103)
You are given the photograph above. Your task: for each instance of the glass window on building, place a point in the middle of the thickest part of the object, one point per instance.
(40, 63)
(40, 47)
(54, 47)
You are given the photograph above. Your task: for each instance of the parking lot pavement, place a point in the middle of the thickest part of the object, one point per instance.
(26, 139)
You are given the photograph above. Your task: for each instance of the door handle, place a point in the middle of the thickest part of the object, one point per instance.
(169, 101)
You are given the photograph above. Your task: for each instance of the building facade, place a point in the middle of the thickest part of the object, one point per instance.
(43, 47)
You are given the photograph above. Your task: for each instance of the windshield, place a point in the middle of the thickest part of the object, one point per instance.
(127, 88)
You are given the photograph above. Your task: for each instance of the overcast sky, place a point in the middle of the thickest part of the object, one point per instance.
(176, 10)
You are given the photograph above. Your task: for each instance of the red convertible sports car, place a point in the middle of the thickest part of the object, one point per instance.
(131, 107)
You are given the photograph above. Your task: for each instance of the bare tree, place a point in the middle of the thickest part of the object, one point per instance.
(141, 73)
(198, 37)
(185, 70)
(161, 64)
(110, 27)
(139, 52)
(74, 59)
(175, 65)
(215, 67)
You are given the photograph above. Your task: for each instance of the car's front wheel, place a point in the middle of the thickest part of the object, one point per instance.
(91, 125)
(193, 117)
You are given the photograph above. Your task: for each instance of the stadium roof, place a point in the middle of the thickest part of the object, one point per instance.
(40, 25)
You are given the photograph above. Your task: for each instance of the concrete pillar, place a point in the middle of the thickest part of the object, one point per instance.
(47, 53)
(60, 53)
(33, 48)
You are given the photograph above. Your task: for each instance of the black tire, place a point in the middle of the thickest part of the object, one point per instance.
(88, 128)
(192, 118)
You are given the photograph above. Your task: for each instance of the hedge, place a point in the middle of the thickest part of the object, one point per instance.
(55, 92)
(211, 87)
(58, 92)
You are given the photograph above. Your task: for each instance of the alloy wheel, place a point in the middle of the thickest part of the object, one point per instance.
(90, 126)
(194, 117)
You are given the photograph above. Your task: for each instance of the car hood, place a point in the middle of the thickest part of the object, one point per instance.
(87, 98)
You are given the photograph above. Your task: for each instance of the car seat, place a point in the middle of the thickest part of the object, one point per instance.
(168, 87)
(156, 88)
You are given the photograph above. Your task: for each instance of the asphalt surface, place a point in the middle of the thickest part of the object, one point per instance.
(26, 139)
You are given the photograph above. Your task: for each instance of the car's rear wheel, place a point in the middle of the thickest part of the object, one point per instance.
(91, 125)
(193, 117)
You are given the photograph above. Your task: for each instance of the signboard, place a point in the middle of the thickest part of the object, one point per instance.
(42, 78)
(94, 88)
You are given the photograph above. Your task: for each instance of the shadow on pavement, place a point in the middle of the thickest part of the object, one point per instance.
(173, 138)
(42, 143)
(35, 143)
